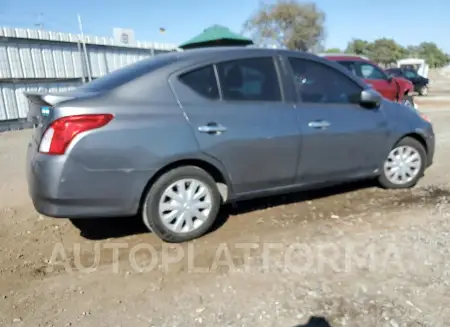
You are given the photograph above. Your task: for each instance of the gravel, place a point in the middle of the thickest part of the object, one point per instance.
(358, 256)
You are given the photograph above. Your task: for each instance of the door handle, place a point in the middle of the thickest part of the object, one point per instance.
(212, 129)
(319, 124)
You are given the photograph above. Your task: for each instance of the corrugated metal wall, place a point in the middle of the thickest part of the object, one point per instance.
(14, 102)
(37, 60)
(25, 59)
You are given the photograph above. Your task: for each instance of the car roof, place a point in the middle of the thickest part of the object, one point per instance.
(208, 51)
(343, 56)
(129, 80)
(221, 53)
(199, 55)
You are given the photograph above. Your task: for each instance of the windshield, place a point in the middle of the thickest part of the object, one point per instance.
(394, 72)
(409, 73)
(129, 73)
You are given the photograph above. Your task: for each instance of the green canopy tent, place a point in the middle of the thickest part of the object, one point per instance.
(216, 35)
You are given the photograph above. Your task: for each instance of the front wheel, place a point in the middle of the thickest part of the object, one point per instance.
(404, 165)
(182, 204)
(423, 91)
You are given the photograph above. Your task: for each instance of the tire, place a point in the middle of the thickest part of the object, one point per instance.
(164, 228)
(387, 181)
(423, 91)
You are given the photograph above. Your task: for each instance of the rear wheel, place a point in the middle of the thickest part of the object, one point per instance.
(423, 91)
(404, 165)
(182, 204)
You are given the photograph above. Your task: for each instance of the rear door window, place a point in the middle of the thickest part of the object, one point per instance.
(202, 81)
(350, 65)
(250, 79)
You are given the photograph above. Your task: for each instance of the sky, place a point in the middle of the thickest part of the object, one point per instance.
(406, 21)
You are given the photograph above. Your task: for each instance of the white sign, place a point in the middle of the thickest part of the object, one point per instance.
(124, 36)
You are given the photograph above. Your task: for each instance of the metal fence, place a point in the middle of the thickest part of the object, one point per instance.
(37, 60)
(13, 101)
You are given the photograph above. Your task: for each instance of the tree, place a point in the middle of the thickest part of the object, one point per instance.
(432, 54)
(358, 47)
(412, 51)
(288, 23)
(386, 51)
(333, 50)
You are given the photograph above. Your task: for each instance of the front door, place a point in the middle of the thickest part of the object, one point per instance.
(340, 139)
(245, 125)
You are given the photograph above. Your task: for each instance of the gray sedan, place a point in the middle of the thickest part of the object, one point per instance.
(175, 136)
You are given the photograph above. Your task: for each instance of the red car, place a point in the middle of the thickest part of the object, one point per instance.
(393, 88)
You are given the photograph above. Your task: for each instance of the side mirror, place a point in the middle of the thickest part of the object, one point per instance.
(370, 99)
(389, 78)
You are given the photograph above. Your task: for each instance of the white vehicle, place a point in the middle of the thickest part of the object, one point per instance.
(417, 64)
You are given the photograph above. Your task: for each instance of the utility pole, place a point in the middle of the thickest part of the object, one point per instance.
(83, 67)
(88, 66)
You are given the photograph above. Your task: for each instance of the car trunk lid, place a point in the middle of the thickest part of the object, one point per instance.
(41, 108)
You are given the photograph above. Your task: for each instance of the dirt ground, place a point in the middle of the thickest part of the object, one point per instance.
(357, 255)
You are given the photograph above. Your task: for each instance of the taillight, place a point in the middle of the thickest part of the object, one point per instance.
(62, 131)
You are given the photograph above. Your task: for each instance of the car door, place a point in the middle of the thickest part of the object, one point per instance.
(340, 139)
(244, 123)
(378, 79)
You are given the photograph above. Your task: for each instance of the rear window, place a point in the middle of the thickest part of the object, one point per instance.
(129, 73)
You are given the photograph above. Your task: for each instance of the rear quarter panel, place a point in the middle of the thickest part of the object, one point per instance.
(148, 127)
(136, 140)
(118, 160)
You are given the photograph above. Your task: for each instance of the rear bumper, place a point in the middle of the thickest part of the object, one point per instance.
(61, 188)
